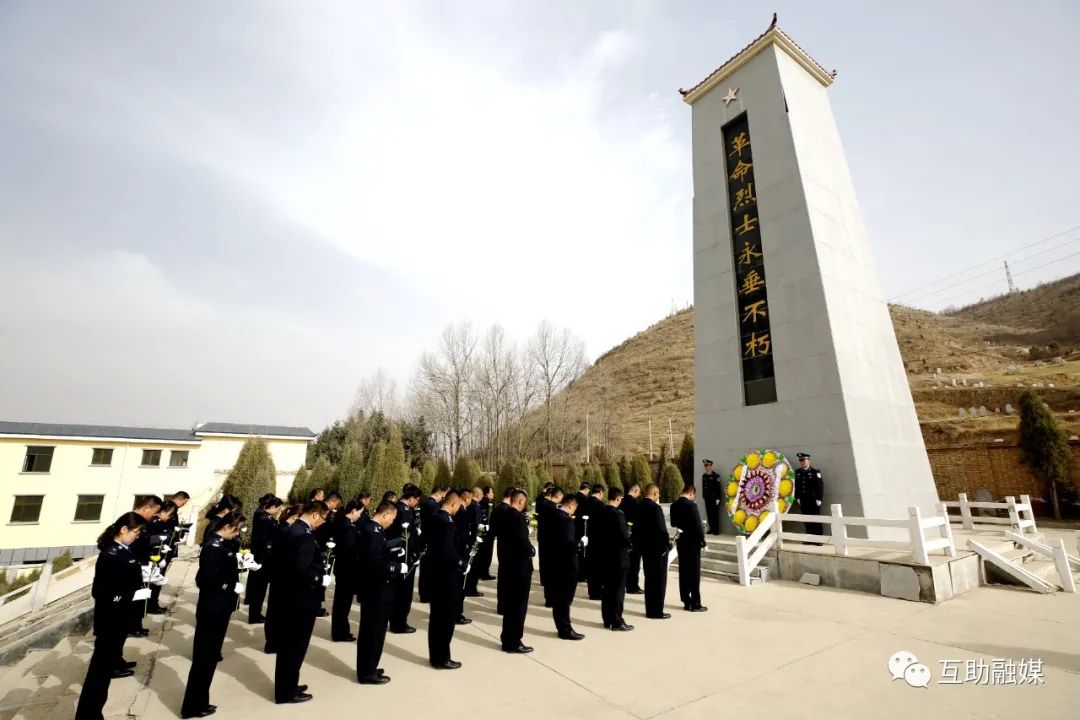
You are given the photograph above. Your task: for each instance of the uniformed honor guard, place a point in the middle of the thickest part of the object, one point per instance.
(809, 491)
(263, 529)
(714, 495)
(277, 582)
(160, 532)
(561, 545)
(477, 519)
(116, 590)
(629, 508)
(346, 566)
(612, 550)
(581, 528)
(481, 569)
(546, 507)
(652, 542)
(219, 586)
(429, 507)
(324, 536)
(494, 521)
(444, 570)
(593, 567)
(402, 585)
(147, 507)
(382, 561)
(515, 573)
(302, 582)
(690, 543)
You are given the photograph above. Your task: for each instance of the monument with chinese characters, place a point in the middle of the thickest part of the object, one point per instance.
(794, 347)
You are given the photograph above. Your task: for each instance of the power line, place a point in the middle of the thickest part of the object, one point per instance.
(996, 282)
(983, 264)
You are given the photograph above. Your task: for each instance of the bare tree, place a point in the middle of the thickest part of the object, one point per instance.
(446, 376)
(559, 358)
(378, 393)
(496, 374)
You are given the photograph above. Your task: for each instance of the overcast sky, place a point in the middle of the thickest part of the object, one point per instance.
(236, 211)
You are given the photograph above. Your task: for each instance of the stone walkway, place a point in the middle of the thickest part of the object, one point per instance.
(779, 648)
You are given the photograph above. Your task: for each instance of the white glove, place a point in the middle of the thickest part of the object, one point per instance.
(141, 594)
(255, 567)
(239, 588)
(146, 573)
(819, 503)
(159, 580)
(165, 549)
(331, 544)
(163, 563)
(399, 551)
(403, 569)
(326, 580)
(585, 541)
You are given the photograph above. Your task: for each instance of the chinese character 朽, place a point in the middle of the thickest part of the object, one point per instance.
(754, 311)
(749, 252)
(758, 345)
(744, 196)
(741, 170)
(738, 143)
(751, 283)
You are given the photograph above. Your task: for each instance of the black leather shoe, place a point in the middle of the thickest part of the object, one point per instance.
(595, 597)
(126, 664)
(297, 698)
(348, 638)
(572, 635)
(622, 627)
(661, 616)
(322, 613)
(256, 620)
(141, 633)
(377, 680)
(699, 608)
(607, 626)
(487, 577)
(463, 620)
(448, 665)
(408, 629)
(205, 712)
(520, 649)
(117, 674)
(269, 650)
(301, 688)
(159, 611)
(635, 591)
(474, 593)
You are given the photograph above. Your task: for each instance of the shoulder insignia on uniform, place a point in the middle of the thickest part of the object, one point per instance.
(116, 599)
(819, 474)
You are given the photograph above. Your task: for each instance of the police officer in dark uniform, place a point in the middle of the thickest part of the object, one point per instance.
(809, 491)
(403, 584)
(546, 507)
(117, 589)
(593, 566)
(219, 585)
(429, 508)
(482, 562)
(495, 519)
(302, 581)
(629, 509)
(382, 560)
(612, 551)
(581, 526)
(561, 546)
(515, 572)
(714, 495)
(160, 532)
(445, 581)
(652, 542)
(262, 541)
(685, 517)
(346, 566)
(147, 507)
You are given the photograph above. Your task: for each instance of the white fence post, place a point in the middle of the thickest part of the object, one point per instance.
(965, 513)
(779, 527)
(838, 529)
(1061, 560)
(1026, 500)
(918, 542)
(946, 530)
(41, 587)
(740, 553)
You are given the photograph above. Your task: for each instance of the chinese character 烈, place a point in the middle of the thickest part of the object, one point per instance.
(739, 143)
(758, 345)
(741, 170)
(744, 196)
(751, 283)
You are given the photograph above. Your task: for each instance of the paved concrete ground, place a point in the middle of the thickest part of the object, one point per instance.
(779, 648)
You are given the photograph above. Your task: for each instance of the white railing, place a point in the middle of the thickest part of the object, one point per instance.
(1063, 562)
(917, 544)
(47, 589)
(1021, 516)
(751, 549)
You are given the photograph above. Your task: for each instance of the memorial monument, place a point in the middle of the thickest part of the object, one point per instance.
(794, 346)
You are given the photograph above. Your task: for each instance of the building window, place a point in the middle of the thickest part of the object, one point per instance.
(88, 509)
(102, 456)
(151, 458)
(178, 458)
(27, 508)
(38, 459)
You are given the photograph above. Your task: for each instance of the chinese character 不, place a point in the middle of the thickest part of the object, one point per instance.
(744, 196)
(738, 143)
(749, 252)
(1031, 671)
(949, 669)
(758, 345)
(975, 671)
(748, 224)
(741, 170)
(755, 311)
(751, 283)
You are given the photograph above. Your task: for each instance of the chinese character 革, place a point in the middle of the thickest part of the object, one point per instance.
(739, 143)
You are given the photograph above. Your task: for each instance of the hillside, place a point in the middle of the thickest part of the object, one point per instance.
(651, 375)
(1051, 311)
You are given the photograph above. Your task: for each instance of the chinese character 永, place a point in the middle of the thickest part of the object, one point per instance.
(749, 253)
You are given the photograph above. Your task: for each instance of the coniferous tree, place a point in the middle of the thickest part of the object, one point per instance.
(442, 473)
(427, 475)
(526, 478)
(543, 473)
(466, 473)
(416, 478)
(686, 458)
(507, 478)
(397, 468)
(573, 477)
(252, 476)
(640, 472)
(299, 487)
(660, 466)
(1043, 447)
(375, 476)
(322, 475)
(611, 475)
(671, 483)
(624, 471)
(350, 472)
